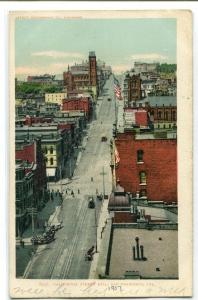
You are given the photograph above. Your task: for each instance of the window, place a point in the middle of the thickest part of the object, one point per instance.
(51, 161)
(174, 116)
(51, 150)
(166, 115)
(140, 155)
(142, 177)
(45, 150)
(159, 114)
(143, 193)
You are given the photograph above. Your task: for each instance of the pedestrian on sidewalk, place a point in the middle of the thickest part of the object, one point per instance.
(78, 191)
(52, 196)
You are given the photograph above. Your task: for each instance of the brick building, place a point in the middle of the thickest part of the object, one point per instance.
(52, 142)
(161, 112)
(24, 196)
(82, 103)
(30, 120)
(92, 69)
(82, 77)
(31, 152)
(148, 165)
(134, 87)
(163, 116)
(137, 116)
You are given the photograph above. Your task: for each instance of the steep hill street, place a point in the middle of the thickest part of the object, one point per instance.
(64, 258)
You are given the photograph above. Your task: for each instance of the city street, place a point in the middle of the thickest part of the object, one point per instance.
(65, 257)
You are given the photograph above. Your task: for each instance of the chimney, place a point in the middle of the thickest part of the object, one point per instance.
(134, 258)
(142, 252)
(137, 247)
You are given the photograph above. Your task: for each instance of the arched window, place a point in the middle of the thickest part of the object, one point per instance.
(142, 177)
(140, 154)
(51, 161)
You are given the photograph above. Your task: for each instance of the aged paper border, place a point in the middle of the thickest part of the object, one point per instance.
(27, 288)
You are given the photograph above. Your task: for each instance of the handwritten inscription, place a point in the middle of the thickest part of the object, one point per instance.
(89, 289)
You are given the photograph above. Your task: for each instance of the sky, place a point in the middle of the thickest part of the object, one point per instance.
(49, 45)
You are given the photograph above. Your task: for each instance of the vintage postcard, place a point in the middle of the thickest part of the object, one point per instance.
(100, 154)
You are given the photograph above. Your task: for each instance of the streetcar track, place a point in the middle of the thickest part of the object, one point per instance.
(66, 267)
(64, 246)
(54, 260)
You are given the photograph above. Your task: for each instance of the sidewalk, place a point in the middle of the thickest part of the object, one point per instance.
(24, 254)
(104, 216)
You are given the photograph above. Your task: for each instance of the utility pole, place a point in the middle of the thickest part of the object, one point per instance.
(32, 211)
(61, 179)
(96, 226)
(103, 180)
(70, 166)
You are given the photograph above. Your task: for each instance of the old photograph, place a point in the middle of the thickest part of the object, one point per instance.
(96, 125)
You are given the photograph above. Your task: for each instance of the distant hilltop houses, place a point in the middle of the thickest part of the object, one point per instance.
(150, 79)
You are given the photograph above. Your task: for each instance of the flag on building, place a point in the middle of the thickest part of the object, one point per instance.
(117, 157)
(117, 89)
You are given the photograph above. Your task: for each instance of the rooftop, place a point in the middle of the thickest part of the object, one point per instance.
(160, 251)
(80, 72)
(160, 100)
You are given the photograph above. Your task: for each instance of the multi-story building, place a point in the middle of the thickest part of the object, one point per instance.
(43, 79)
(140, 67)
(78, 103)
(162, 112)
(52, 145)
(82, 77)
(93, 72)
(148, 164)
(56, 98)
(31, 153)
(78, 121)
(153, 112)
(136, 117)
(24, 196)
(132, 88)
